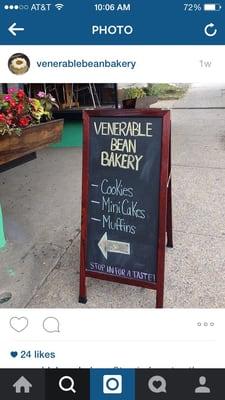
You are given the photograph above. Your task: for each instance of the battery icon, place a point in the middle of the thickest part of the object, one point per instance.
(212, 7)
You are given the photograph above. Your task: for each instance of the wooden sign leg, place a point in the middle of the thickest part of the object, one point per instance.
(159, 297)
(83, 287)
(169, 230)
(169, 217)
(83, 291)
(165, 214)
(169, 222)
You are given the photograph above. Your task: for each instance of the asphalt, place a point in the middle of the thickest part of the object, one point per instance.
(41, 206)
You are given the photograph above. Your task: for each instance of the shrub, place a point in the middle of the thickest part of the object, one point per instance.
(134, 93)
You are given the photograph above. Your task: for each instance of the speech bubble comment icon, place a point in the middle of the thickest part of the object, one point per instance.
(51, 325)
(157, 384)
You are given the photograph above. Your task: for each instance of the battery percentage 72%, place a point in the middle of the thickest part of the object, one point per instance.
(192, 7)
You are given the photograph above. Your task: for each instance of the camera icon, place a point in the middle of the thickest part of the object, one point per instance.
(112, 384)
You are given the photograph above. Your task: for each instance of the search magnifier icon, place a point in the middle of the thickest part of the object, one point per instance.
(63, 384)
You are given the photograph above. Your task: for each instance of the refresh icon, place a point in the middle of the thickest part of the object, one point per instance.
(210, 30)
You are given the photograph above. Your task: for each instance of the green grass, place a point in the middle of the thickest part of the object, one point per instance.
(165, 91)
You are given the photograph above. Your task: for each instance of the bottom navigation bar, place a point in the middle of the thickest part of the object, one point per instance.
(119, 384)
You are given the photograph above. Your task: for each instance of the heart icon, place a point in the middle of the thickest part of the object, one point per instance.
(19, 324)
(157, 384)
(14, 354)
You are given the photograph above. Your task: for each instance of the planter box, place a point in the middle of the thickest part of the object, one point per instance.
(129, 103)
(32, 139)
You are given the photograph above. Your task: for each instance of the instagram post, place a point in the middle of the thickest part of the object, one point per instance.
(112, 193)
(41, 234)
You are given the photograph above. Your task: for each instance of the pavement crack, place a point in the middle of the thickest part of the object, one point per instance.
(197, 166)
(71, 241)
(199, 234)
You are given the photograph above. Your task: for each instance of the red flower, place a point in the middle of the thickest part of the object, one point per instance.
(24, 121)
(12, 103)
(9, 121)
(2, 118)
(20, 94)
(20, 108)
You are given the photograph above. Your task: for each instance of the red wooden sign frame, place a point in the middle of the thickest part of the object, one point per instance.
(165, 202)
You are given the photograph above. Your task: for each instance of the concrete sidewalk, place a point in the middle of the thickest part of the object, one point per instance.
(41, 205)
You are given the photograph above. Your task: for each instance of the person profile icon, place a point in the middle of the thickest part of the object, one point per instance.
(202, 388)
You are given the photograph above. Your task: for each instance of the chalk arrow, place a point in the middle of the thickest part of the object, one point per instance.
(12, 29)
(111, 246)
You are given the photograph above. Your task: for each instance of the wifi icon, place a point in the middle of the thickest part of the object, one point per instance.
(59, 6)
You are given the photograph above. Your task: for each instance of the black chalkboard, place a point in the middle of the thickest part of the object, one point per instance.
(122, 171)
(124, 196)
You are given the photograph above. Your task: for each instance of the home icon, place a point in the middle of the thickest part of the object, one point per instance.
(22, 385)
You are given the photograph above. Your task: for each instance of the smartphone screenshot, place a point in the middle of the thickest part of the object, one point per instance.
(112, 200)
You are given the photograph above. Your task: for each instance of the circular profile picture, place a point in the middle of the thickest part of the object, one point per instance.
(19, 63)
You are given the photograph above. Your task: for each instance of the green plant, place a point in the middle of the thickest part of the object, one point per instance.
(17, 110)
(134, 93)
(47, 102)
(164, 91)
